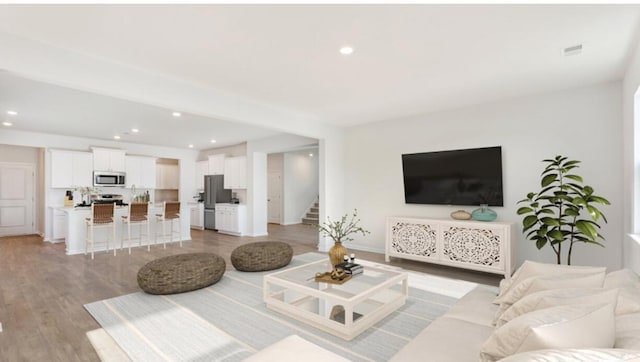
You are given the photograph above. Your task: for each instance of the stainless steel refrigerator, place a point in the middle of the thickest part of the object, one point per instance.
(214, 192)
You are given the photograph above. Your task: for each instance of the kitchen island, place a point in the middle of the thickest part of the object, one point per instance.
(77, 230)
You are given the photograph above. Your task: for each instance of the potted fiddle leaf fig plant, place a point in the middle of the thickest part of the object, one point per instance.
(563, 211)
(339, 231)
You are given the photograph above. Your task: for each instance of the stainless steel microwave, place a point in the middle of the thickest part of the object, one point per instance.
(102, 178)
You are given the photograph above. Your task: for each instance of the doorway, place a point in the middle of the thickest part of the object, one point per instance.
(17, 190)
(274, 198)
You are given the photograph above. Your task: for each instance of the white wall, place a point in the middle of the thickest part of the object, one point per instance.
(528, 129)
(631, 137)
(300, 183)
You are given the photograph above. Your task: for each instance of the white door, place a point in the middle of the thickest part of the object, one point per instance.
(274, 198)
(16, 199)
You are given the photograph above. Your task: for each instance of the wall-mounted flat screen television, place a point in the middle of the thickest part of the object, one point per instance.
(458, 177)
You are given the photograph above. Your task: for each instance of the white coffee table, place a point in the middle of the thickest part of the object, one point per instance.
(344, 310)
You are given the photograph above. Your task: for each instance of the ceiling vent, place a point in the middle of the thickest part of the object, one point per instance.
(572, 50)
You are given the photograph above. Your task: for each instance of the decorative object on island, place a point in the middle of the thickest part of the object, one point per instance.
(339, 231)
(460, 215)
(555, 213)
(484, 213)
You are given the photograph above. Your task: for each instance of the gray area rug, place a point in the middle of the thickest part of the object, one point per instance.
(229, 321)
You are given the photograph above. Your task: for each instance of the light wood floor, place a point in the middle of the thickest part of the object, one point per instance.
(42, 290)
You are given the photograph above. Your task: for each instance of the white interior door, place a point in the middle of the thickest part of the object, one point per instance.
(274, 198)
(16, 199)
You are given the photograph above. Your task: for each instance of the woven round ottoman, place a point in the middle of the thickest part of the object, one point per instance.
(261, 256)
(181, 273)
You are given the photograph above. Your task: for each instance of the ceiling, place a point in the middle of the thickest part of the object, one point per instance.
(408, 59)
(58, 110)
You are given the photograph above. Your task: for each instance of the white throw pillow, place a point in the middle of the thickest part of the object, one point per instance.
(539, 283)
(628, 301)
(576, 355)
(622, 279)
(628, 331)
(557, 297)
(531, 269)
(567, 326)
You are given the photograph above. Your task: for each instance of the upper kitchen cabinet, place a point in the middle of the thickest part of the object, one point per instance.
(141, 172)
(235, 172)
(202, 169)
(216, 165)
(70, 169)
(108, 159)
(167, 176)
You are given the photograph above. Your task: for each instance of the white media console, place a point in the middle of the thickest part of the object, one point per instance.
(476, 245)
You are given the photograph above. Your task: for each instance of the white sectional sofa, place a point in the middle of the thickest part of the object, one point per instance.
(553, 313)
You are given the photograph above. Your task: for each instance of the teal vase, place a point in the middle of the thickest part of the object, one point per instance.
(484, 213)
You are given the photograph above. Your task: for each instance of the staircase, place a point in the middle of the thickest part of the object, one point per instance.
(312, 216)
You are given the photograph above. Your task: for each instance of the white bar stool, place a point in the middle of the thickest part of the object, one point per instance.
(170, 213)
(101, 217)
(138, 215)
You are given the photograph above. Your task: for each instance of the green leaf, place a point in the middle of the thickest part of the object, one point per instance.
(547, 180)
(571, 212)
(600, 200)
(556, 235)
(588, 190)
(587, 229)
(545, 211)
(574, 177)
(550, 221)
(541, 242)
(524, 210)
(594, 212)
(571, 163)
(529, 221)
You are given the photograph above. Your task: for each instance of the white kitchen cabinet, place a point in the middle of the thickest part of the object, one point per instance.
(108, 159)
(71, 169)
(197, 216)
(141, 172)
(216, 165)
(231, 219)
(235, 172)
(202, 169)
(59, 224)
(167, 176)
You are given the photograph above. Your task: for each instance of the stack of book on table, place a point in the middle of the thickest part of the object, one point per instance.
(351, 268)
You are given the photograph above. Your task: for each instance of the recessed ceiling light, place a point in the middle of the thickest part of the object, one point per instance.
(190, 146)
(7, 124)
(116, 137)
(311, 155)
(176, 114)
(12, 113)
(213, 141)
(135, 130)
(346, 50)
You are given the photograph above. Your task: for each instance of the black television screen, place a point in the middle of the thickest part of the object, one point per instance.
(459, 177)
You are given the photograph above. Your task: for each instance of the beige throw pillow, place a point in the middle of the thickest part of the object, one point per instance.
(576, 355)
(539, 283)
(623, 278)
(567, 326)
(557, 297)
(531, 269)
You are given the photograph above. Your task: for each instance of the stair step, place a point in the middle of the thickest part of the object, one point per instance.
(309, 221)
(315, 210)
(313, 215)
(317, 204)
